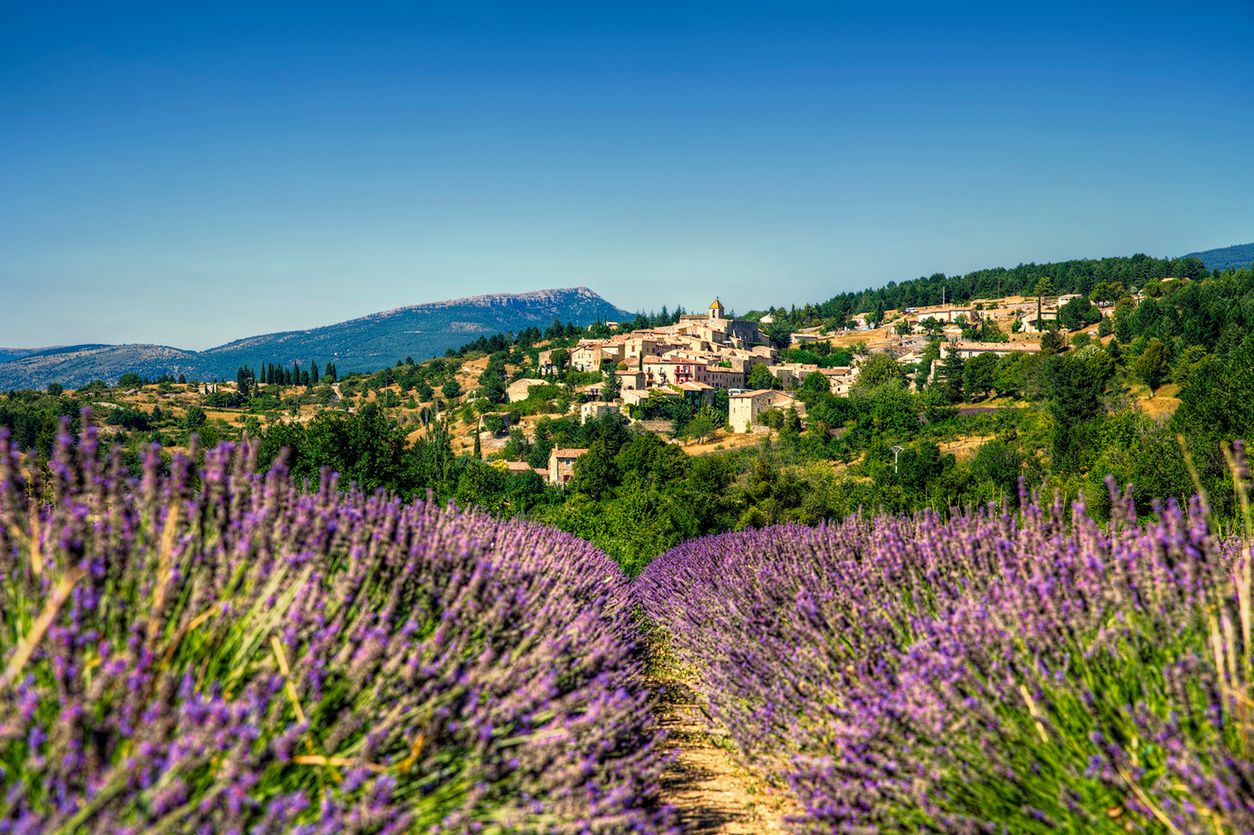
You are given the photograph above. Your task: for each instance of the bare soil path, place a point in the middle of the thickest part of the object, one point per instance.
(709, 790)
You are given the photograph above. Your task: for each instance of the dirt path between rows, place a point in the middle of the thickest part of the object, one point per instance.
(709, 790)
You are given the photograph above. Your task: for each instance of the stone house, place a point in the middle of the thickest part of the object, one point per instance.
(841, 378)
(792, 374)
(595, 409)
(631, 380)
(562, 465)
(744, 408)
(586, 356)
(699, 394)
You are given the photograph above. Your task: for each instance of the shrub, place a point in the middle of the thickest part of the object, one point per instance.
(996, 672)
(208, 649)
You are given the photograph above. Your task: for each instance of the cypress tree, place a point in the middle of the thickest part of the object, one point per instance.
(313, 372)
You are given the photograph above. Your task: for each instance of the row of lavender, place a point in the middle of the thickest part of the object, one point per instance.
(205, 649)
(995, 672)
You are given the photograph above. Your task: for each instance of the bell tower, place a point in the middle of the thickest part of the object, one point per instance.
(716, 309)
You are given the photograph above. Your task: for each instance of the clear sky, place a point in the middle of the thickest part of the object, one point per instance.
(189, 173)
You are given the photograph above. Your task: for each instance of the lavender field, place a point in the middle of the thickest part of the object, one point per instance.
(207, 649)
(211, 650)
(994, 672)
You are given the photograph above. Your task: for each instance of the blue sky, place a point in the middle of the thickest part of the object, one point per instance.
(190, 173)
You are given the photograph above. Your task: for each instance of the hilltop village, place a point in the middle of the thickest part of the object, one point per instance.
(712, 358)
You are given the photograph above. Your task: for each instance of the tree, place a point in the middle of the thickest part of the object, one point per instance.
(997, 464)
(1153, 366)
(702, 426)
(1052, 342)
(878, 369)
(1044, 290)
(194, 418)
(313, 373)
(492, 387)
(919, 464)
(1075, 388)
(979, 373)
(760, 377)
(814, 388)
(451, 389)
(1108, 292)
(951, 376)
(1077, 314)
(595, 471)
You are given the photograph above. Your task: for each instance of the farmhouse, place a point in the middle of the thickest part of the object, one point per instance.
(562, 465)
(595, 409)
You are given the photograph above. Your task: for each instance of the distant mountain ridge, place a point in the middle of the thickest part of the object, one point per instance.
(1237, 257)
(362, 344)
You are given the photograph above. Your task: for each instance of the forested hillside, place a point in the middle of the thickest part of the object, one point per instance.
(1080, 276)
(1235, 257)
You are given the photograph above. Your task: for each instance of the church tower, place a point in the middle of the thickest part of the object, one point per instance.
(716, 309)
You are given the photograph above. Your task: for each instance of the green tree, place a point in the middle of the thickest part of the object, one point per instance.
(876, 370)
(1075, 388)
(998, 465)
(760, 377)
(979, 374)
(596, 472)
(1107, 292)
(194, 417)
(1044, 290)
(1153, 366)
(1078, 313)
(1052, 342)
(951, 377)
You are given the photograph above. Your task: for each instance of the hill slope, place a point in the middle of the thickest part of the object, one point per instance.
(1236, 257)
(364, 344)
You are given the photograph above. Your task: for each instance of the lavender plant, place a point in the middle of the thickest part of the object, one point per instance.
(210, 650)
(995, 672)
